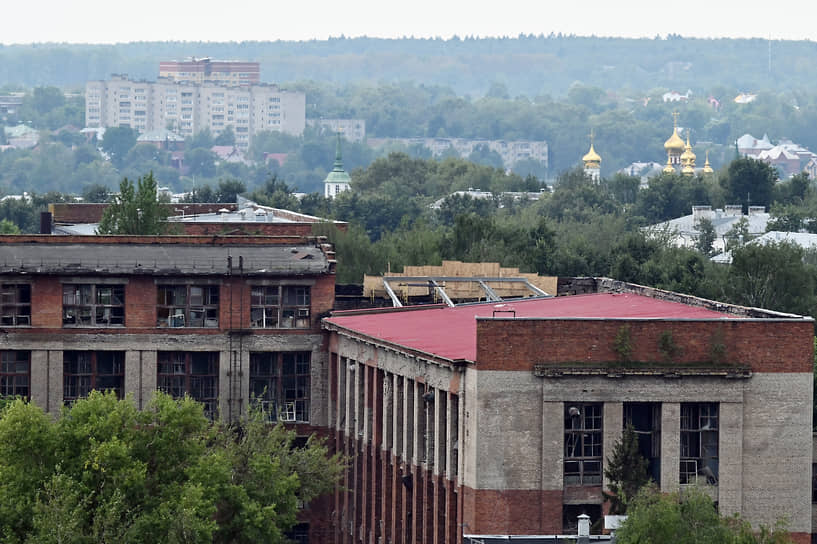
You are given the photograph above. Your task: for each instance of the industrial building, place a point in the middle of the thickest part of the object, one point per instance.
(498, 418)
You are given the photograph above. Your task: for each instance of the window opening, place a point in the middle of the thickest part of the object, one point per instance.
(15, 374)
(280, 306)
(280, 384)
(187, 306)
(583, 444)
(84, 371)
(645, 417)
(15, 304)
(93, 305)
(699, 443)
(194, 374)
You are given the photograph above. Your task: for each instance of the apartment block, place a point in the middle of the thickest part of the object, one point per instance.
(187, 108)
(232, 73)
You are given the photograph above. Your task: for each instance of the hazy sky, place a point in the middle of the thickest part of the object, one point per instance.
(110, 21)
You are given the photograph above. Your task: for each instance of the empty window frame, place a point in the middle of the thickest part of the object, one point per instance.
(194, 374)
(645, 417)
(583, 444)
(280, 306)
(280, 384)
(84, 371)
(15, 373)
(15, 304)
(699, 443)
(187, 305)
(93, 305)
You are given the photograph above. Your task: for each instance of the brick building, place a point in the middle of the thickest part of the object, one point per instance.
(489, 419)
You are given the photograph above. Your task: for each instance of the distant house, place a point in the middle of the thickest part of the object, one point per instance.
(683, 231)
(745, 98)
(163, 139)
(229, 153)
(22, 136)
(675, 96)
(805, 240)
(749, 146)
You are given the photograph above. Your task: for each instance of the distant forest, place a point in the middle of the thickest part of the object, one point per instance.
(525, 65)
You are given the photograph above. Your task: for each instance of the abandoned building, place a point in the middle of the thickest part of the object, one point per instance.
(498, 418)
(458, 422)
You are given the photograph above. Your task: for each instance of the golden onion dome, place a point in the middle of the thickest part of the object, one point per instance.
(688, 154)
(688, 170)
(707, 166)
(668, 169)
(675, 143)
(591, 157)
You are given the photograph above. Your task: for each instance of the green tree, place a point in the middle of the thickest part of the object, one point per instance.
(626, 471)
(117, 142)
(749, 182)
(106, 472)
(690, 517)
(225, 137)
(200, 162)
(706, 236)
(7, 227)
(772, 276)
(135, 210)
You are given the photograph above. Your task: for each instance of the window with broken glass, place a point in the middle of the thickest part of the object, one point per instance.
(15, 373)
(93, 305)
(699, 443)
(15, 304)
(583, 444)
(85, 371)
(194, 374)
(187, 305)
(280, 306)
(280, 383)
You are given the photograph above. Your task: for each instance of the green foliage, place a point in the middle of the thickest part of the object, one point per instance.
(7, 227)
(106, 472)
(667, 346)
(749, 182)
(626, 471)
(706, 236)
(135, 210)
(117, 142)
(690, 517)
(772, 276)
(623, 343)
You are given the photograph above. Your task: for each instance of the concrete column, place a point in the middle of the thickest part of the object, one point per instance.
(450, 435)
(397, 415)
(38, 378)
(730, 458)
(419, 426)
(408, 420)
(55, 381)
(553, 445)
(225, 392)
(349, 397)
(670, 446)
(613, 424)
(440, 431)
(387, 399)
(150, 371)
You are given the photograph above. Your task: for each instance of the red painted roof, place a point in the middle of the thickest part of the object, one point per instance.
(451, 332)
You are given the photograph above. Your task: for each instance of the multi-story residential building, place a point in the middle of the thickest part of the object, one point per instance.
(353, 130)
(187, 108)
(511, 151)
(232, 73)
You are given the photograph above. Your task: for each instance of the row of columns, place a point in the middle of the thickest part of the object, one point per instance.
(400, 438)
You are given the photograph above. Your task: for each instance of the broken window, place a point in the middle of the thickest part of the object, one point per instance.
(645, 417)
(194, 374)
(15, 373)
(84, 371)
(187, 305)
(280, 384)
(280, 306)
(699, 443)
(93, 305)
(15, 304)
(583, 441)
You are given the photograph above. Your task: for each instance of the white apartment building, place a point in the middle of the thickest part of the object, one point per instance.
(189, 108)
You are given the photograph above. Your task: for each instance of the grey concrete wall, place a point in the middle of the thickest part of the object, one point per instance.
(777, 449)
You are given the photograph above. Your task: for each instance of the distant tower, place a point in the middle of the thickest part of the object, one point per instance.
(707, 168)
(337, 180)
(674, 145)
(688, 159)
(592, 162)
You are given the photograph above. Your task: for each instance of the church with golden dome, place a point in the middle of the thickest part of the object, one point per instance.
(592, 162)
(680, 157)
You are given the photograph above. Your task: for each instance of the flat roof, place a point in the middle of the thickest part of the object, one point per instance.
(450, 333)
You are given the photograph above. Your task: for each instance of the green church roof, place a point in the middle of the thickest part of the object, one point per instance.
(338, 174)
